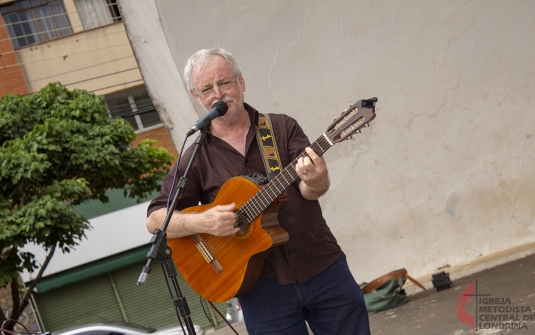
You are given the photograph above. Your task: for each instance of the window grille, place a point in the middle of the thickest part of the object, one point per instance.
(32, 21)
(96, 13)
(136, 107)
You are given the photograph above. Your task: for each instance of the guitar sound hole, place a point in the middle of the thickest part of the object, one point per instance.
(244, 228)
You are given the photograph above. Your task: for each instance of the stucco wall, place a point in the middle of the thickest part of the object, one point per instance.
(446, 175)
(77, 61)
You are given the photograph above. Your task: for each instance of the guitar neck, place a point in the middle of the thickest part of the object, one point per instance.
(278, 185)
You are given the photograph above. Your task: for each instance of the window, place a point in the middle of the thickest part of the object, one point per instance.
(33, 21)
(96, 13)
(135, 107)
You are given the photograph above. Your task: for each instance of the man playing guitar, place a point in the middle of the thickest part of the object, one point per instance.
(304, 279)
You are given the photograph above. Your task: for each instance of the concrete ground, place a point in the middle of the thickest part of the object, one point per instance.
(502, 302)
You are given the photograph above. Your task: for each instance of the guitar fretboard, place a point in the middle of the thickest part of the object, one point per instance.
(265, 196)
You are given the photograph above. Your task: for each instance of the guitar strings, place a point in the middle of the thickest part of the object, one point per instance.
(252, 208)
(245, 214)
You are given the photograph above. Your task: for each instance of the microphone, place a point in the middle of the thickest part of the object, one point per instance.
(219, 108)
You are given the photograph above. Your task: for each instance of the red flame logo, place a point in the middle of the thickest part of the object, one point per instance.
(462, 314)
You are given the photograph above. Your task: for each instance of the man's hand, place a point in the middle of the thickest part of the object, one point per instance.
(314, 175)
(220, 220)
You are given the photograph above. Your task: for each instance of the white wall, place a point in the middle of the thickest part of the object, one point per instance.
(446, 175)
(111, 234)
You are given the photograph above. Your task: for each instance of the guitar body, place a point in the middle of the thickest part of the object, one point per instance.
(240, 256)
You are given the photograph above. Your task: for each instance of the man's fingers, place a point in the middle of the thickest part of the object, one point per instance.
(226, 208)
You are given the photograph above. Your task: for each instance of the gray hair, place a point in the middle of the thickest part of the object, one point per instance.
(201, 58)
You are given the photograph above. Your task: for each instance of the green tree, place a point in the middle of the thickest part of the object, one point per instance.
(58, 149)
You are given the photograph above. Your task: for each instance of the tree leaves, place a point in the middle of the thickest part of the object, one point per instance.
(58, 148)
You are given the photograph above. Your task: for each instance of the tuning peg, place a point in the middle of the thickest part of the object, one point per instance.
(367, 125)
(351, 138)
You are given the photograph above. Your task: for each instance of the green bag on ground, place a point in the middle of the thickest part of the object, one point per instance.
(387, 291)
(386, 296)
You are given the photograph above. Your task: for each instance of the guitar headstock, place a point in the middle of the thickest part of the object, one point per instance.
(355, 117)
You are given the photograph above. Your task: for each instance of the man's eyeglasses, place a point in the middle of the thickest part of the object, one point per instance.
(222, 88)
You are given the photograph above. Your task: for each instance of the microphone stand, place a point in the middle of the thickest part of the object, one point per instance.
(160, 251)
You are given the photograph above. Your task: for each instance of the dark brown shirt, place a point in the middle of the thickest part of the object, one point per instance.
(311, 247)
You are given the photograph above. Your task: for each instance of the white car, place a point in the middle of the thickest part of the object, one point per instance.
(122, 328)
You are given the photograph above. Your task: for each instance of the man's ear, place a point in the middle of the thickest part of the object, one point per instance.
(242, 83)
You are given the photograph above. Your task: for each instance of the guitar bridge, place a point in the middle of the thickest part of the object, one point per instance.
(207, 254)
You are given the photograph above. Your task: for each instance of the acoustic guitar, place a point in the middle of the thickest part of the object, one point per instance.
(221, 267)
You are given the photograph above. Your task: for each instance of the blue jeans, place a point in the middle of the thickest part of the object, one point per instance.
(331, 303)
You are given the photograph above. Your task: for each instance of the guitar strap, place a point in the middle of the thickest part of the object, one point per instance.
(268, 146)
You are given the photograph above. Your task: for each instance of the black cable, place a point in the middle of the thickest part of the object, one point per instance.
(63, 56)
(176, 173)
(80, 69)
(98, 77)
(172, 296)
(27, 331)
(204, 310)
(120, 84)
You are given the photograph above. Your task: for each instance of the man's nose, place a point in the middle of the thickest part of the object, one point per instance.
(217, 92)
